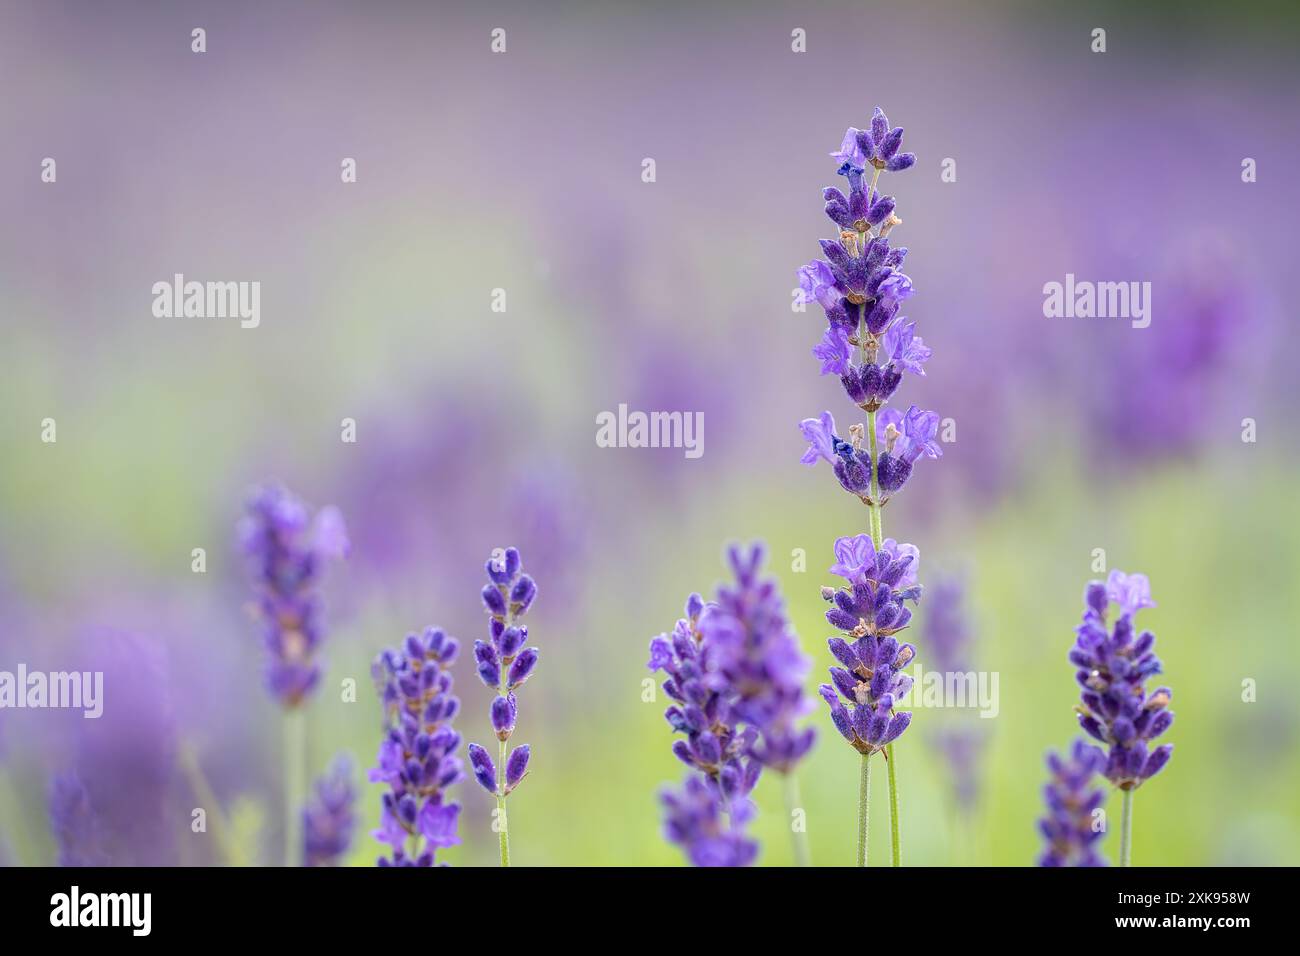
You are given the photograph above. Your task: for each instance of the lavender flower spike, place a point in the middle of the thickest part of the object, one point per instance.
(1069, 827)
(704, 708)
(696, 821)
(1113, 666)
(504, 664)
(870, 610)
(860, 285)
(329, 817)
(287, 551)
(735, 673)
(417, 757)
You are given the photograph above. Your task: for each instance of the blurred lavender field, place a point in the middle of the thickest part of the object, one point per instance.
(476, 429)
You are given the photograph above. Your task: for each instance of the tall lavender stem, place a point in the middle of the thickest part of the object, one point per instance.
(504, 665)
(503, 835)
(1114, 662)
(877, 538)
(861, 286)
(287, 550)
(295, 783)
(802, 852)
(864, 809)
(1126, 831)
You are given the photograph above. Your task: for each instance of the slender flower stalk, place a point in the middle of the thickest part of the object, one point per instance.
(417, 756)
(1113, 666)
(735, 672)
(287, 550)
(861, 286)
(504, 665)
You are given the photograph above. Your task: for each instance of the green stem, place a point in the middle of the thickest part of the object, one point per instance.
(802, 854)
(878, 540)
(864, 809)
(193, 771)
(503, 831)
(895, 846)
(295, 783)
(1126, 831)
(877, 532)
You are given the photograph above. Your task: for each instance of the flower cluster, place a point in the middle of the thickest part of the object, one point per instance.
(870, 610)
(1069, 828)
(417, 756)
(703, 709)
(695, 820)
(1114, 665)
(735, 673)
(287, 551)
(329, 818)
(759, 658)
(504, 664)
(860, 285)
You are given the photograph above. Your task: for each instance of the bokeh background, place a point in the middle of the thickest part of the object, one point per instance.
(475, 429)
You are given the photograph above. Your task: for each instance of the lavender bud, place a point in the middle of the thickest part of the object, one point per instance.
(485, 771)
(503, 713)
(516, 766)
(522, 668)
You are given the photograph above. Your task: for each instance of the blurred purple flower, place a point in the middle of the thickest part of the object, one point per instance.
(1069, 827)
(759, 657)
(947, 646)
(287, 552)
(703, 709)
(710, 835)
(329, 817)
(75, 825)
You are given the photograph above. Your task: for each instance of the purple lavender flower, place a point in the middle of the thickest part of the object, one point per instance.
(759, 658)
(1071, 802)
(870, 610)
(287, 551)
(735, 673)
(1113, 667)
(861, 285)
(504, 665)
(704, 707)
(75, 823)
(417, 756)
(904, 438)
(710, 835)
(328, 819)
(851, 462)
